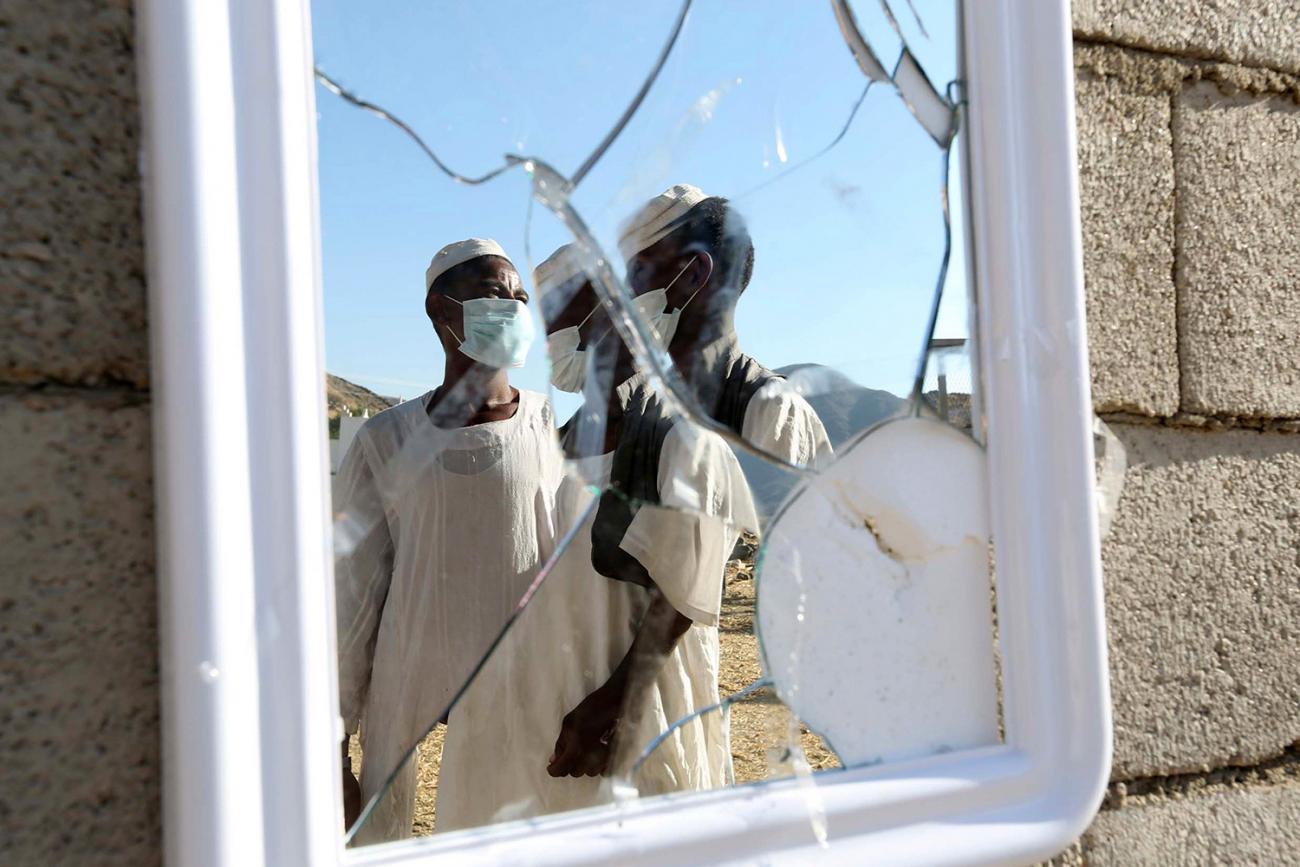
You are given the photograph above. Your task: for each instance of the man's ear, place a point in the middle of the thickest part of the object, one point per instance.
(702, 269)
(433, 308)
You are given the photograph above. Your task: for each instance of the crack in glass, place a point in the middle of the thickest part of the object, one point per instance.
(689, 475)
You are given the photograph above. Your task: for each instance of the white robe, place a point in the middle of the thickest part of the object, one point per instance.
(437, 534)
(577, 629)
(777, 419)
(781, 422)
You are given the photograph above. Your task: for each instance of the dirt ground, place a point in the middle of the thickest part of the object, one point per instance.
(760, 724)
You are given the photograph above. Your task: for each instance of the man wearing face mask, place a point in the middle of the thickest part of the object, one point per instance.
(443, 511)
(621, 641)
(689, 258)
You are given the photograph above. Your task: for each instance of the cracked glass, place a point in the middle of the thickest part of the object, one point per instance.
(655, 428)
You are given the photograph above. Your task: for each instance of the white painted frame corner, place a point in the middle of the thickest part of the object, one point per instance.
(250, 728)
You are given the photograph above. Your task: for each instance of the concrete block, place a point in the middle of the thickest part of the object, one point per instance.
(72, 294)
(1238, 167)
(1202, 576)
(1126, 175)
(79, 765)
(1256, 32)
(1229, 826)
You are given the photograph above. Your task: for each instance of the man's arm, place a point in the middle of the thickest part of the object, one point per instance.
(588, 734)
(680, 547)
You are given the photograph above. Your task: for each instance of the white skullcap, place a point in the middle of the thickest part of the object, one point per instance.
(457, 254)
(561, 267)
(651, 224)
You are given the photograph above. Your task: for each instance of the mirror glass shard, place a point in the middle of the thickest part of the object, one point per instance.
(653, 398)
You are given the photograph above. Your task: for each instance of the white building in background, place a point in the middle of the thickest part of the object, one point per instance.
(348, 426)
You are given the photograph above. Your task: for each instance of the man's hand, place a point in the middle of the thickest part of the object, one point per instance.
(587, 736)
(351, 791)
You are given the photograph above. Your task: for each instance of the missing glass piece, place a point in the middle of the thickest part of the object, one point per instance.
(916, 488)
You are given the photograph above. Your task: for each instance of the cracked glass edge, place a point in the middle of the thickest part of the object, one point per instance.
(511, 160)
(553, 189)
(923, 102)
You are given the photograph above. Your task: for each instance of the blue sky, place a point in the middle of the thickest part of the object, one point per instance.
(847, 247)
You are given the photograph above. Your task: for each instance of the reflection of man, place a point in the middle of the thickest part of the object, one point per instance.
(444, 507)
(689, 258)
(621, 641)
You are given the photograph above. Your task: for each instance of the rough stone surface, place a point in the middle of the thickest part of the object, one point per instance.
(1126, 175)
(1238, 164)
(1144, 72)
(1257, 32)
(1202, 575)
(79, 772)
(72, 297)
(1229, 826)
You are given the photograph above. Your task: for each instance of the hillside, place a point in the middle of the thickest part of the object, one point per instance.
(342, 395)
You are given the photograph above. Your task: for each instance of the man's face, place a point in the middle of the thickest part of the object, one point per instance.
(491, 277)
(488, 277)
(665, 265)
(582, 310)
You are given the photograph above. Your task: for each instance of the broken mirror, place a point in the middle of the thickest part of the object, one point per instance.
(653, 412)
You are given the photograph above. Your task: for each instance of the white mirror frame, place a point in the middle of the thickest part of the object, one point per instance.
(250, 725)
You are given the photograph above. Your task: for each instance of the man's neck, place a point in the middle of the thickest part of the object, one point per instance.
(471, 394)
(693, 337)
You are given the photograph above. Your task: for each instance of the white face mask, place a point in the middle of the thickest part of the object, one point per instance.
(568, 362)
(653, 305)
(498, 331)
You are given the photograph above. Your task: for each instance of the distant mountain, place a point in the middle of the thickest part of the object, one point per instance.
(844, 407)
(342, 395)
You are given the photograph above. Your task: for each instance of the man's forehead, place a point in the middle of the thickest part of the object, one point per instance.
(577, 296)
(663, 250)
(484, 271)
(490, 267)
(479, 277)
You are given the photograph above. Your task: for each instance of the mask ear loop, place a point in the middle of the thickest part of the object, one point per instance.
(584, 322)
(678, 277)
(589, 315)
(450, 330)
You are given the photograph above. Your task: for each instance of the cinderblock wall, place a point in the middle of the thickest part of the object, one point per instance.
(78, 639)
(1189, 151)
